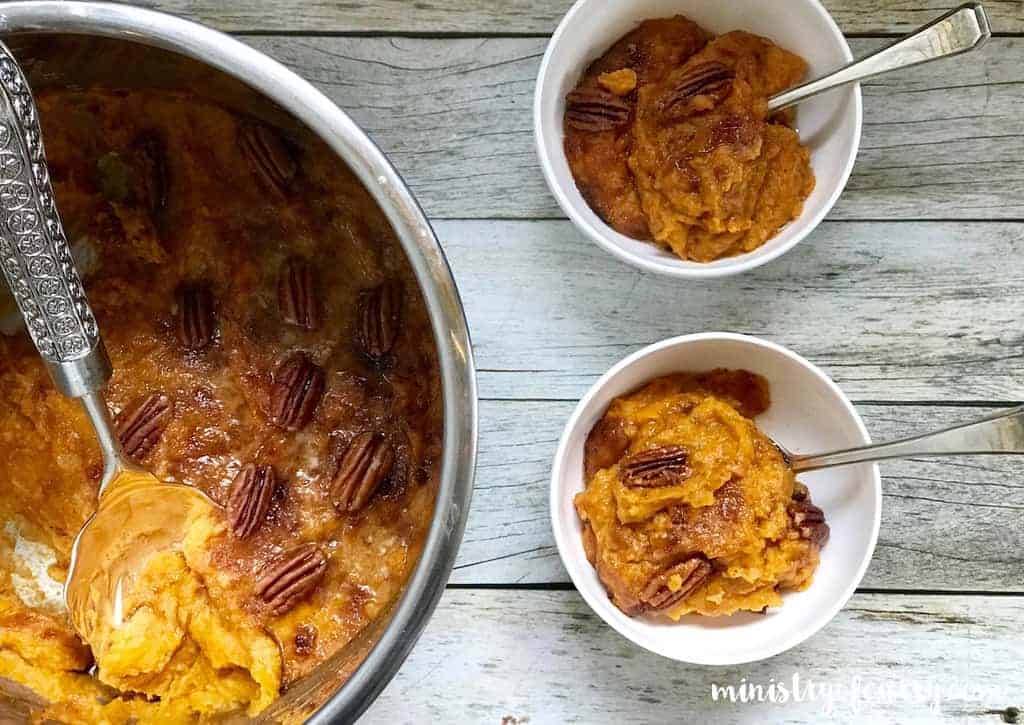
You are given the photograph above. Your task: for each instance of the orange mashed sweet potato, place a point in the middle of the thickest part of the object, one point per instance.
(689, 508)
(161, 192)
(687, 154)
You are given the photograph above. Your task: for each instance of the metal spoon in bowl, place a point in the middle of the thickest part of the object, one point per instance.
(137, 515)
(999, 433)
(958, 31)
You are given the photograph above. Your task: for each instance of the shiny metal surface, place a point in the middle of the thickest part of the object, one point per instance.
(177, 53)
(114, 461)
(34, 252)
(1000, 433)
(958, 31)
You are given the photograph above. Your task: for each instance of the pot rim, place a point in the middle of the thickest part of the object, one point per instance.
(367, 161)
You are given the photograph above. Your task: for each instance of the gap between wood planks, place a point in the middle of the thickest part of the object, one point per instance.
(570, 587)
(457, 35)
(893, 403)
(531, 17)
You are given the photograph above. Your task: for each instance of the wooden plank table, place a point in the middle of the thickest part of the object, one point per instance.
(910, 296)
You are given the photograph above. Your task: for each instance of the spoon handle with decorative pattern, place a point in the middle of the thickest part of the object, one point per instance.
(36, 261)
(34, 251)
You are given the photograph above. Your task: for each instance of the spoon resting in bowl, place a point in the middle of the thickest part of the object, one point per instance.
(999, 433)
(137, 515)
(958, 31)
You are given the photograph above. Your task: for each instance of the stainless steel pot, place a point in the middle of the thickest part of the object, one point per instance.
(86, 43)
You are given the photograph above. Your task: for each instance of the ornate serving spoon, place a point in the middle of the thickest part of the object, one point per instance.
(958, 31)
(137, 514)
(999, 433)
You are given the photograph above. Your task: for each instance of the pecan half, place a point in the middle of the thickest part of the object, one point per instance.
(269, 156)
(380, 318)
(249, 499)
(305, 640)
(296, 392)
(809, 521)
(700, 88)
(150, 159)
(594, 109)
(196, 317)
(676, 583)
(367, 462)
(665, 466)
(140, 425)
(291, 577)
(297, 294)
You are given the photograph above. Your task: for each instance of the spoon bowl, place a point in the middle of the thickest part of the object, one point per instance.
(138, 516)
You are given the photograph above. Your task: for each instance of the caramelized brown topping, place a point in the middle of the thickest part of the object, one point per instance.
(291, 577)
(365, 465)
(140, 425)
(731, 131)
(594, 109)
(700, 88)
(296, 392)
(380, 318)
(269, 156)
(676, 583)
(297, 294)
(150, 158)
(305, 640)
(249, 499)
(138, 177)
(809, 521)
(665, 466)
(606, 443)
(196, 316)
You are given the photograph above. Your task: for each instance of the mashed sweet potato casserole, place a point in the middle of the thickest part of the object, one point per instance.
(688, 507)
(669, 139)
(270, 347)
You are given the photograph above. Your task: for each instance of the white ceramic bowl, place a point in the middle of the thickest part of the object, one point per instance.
(829, 124)
(808, 413)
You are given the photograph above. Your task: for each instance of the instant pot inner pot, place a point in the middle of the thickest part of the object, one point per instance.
(84, 62)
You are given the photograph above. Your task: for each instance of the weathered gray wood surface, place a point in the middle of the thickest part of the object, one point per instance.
(893, 311)
(942, 141)
(516, 16)
(543, 657)
(910, 296)
(952, 525)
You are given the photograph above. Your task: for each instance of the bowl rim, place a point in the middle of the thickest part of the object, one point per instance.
(557, 487)
(683, 269)
(420, 244)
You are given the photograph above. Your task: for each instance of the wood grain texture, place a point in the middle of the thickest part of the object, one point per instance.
(950, 524)
(943, 141)
(516, 16)
(892, 311)
(544, 657)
